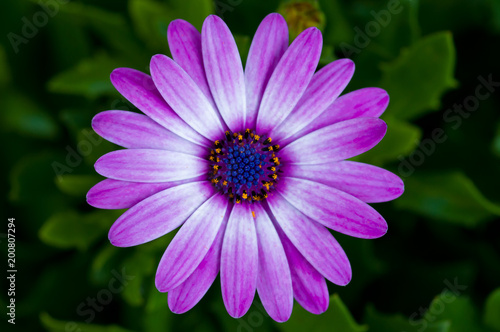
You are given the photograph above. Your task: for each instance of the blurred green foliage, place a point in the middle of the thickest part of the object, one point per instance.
(428, 55)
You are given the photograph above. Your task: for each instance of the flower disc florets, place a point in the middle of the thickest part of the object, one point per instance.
(244, 166)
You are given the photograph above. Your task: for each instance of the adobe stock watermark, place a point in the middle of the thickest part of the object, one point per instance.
(372, 29)
(221, 7)
(448, 295)
(454, 116)
(31, 26)
(253, 319)
(93, 305)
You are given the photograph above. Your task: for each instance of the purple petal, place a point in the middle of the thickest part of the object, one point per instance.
(114, 194)
(289, 80)
(159, 214)
(274, 282)
(239, 261)
(312, 240)
(137, 131)
(184, 42)
(191, 244)
(140, 90)
(186, 98)
(147, 165)
(191, 291)
(368, 183)
(367, 102)
(268, 46)
(224, 71)
(339, 141)
(309, 286)
(326, 85)
(333, 208)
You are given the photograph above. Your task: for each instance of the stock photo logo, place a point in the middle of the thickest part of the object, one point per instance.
(251, 164)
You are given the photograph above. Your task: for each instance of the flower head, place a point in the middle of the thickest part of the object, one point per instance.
(250, 163)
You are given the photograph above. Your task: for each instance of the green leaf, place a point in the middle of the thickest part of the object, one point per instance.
(398, 29)
(151, 19)
(92, 146)
(447, 196)
(417, 79)
(457, 310)
(337, 28)
(32, 187)
(157, 316)
(72, 230)
(496, 142)
(141, 264)
(104, 261)
(400, 140)
(22, 115)
(53, 325)
(76, 185)
(336, 318)
(491, 316)
(90, 78)
(65, 31)
(379, 322)
(193, 11)
(112, 28)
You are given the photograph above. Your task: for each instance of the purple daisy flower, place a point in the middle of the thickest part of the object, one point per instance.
(250, 162)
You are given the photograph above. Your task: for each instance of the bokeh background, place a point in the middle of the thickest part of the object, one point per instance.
(438, 267)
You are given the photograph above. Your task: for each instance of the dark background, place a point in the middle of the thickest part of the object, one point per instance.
(442, 248)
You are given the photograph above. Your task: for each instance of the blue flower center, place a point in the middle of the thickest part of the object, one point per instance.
(244, 166)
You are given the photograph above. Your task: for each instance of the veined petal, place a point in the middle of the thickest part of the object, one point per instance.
(141, 91)
(184, 41)
(114, 194)
(147, 165)
(326, 85)
(333, 208)
(191, 291)
(312, 240)
(368, 183)
(366, 102)
(268, 46)
(224, 71)
(137, 131)
(191, 244)
(339, 141)
(274, 282)
(185, 97)
(309, 286)
(239, 261)
(289, 80)
(159, 214)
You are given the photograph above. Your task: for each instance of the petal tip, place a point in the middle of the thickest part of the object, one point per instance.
(159, 283)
